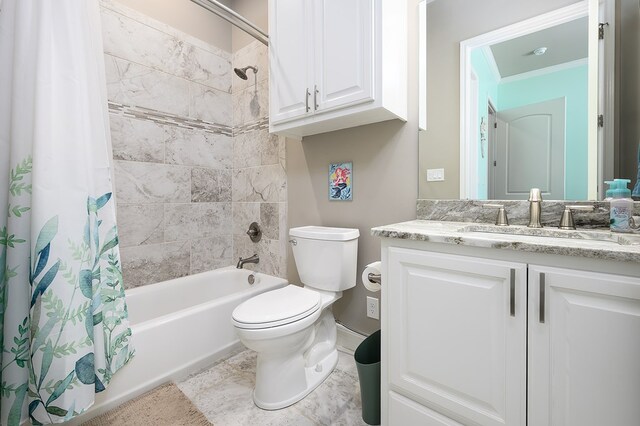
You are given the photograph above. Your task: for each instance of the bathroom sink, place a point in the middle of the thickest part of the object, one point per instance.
(580, 234)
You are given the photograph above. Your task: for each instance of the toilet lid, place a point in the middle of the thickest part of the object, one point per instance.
(277, 307)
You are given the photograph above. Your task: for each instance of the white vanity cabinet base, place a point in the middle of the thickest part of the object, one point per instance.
(452, 353)
(455, 344)
(584, 359)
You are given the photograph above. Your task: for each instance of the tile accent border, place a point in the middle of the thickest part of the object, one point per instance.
(165, 118)
(168, 119)
(262, 124)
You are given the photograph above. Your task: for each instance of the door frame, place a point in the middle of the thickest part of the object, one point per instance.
(492, 139)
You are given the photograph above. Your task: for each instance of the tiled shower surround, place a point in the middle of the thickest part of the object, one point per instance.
(194, 162)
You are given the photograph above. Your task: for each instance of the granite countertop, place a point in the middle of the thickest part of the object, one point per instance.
(588, 243)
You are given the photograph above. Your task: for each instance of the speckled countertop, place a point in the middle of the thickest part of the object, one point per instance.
(588, 243)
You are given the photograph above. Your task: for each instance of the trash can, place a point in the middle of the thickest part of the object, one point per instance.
(367, 357)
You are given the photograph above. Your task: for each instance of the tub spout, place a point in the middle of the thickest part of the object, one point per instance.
(252, 259)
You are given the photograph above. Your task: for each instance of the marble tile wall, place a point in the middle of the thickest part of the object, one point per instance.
(259, 179)
(194, 163)
(171, 116)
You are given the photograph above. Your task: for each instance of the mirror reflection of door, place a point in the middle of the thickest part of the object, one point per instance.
(530, 151)
(519, 76)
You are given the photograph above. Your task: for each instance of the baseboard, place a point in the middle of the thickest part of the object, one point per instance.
(348, 340)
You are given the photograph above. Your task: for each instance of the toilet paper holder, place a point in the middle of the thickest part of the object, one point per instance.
(374, 278)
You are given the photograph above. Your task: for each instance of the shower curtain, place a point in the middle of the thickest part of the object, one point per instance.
(63, 318)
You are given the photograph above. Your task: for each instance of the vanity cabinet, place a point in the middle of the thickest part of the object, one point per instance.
(336, 64)
(477, 341)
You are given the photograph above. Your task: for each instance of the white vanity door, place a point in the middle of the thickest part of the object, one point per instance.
(343, 53)
(457, 335)
(584, 348)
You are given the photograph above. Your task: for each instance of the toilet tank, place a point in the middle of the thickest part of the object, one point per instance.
(326, 258)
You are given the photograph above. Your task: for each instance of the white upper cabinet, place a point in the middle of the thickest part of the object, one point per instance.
(289, 24)
(336, 64)
(343, 58)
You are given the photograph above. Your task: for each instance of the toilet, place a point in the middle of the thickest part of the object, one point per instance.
(292, 328)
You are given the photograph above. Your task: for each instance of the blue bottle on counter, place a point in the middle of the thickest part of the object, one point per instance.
(621, 206)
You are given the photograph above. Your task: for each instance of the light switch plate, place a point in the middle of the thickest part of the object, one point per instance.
(435, 175)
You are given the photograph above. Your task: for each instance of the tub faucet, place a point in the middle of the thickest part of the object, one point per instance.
(252, 259)
(535, 209)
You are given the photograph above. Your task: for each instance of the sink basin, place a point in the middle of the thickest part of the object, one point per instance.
(579, 234)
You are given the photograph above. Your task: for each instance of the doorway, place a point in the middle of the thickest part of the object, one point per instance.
(529, 151)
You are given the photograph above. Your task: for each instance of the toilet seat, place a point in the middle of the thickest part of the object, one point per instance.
(277, 308)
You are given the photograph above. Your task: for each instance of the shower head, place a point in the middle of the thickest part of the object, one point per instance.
(242, 72)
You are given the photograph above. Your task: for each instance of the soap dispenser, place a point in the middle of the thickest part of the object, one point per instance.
(621, 206)
(609, 193)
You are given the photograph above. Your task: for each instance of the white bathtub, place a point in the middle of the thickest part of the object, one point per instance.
(180, 326)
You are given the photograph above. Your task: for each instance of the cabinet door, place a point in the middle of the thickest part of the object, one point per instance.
(343, 53)
(290, 52)
(404, 411)
(457, 335)
(584, 348)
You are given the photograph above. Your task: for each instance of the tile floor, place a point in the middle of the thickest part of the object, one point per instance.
(223, 394)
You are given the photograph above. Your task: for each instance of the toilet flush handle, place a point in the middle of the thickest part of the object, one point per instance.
(293, 242)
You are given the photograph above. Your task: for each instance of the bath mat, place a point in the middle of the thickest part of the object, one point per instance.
(165, 405)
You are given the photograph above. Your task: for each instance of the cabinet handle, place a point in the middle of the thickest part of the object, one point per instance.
(542, 291)
(512, 293)
(315, 97)
(306, 101)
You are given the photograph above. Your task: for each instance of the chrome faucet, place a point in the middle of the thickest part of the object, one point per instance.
(535, 209)
(252, 259)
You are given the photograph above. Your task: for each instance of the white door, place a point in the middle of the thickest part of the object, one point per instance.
(584, 348)
(530, 151)
(290, 52)
(457, 335)
(343, 53)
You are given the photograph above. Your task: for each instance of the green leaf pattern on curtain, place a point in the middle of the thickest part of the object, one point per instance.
(73, 333)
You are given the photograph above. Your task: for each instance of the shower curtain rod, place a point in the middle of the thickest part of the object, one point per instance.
(216, 7)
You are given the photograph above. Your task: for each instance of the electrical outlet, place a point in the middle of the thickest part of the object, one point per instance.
(373, 308)
(435, 175)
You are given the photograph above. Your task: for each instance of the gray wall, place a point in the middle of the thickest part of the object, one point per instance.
(188, 17)
(384, 185)
(256, 12)
(448, 23)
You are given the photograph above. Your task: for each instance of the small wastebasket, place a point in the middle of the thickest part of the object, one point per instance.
(367, 358)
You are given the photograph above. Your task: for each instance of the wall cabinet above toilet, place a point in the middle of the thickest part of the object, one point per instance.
(336, 64)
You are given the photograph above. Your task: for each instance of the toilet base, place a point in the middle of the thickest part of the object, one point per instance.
(315, 375)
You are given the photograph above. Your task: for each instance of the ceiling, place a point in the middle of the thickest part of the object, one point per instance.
(565, 43)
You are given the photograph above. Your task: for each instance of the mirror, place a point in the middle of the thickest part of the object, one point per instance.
(524, 115)
(527, 115)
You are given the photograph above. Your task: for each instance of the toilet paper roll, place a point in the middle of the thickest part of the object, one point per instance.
(372, 268)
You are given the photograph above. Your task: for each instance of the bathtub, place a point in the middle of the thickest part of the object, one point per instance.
(179, 327)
